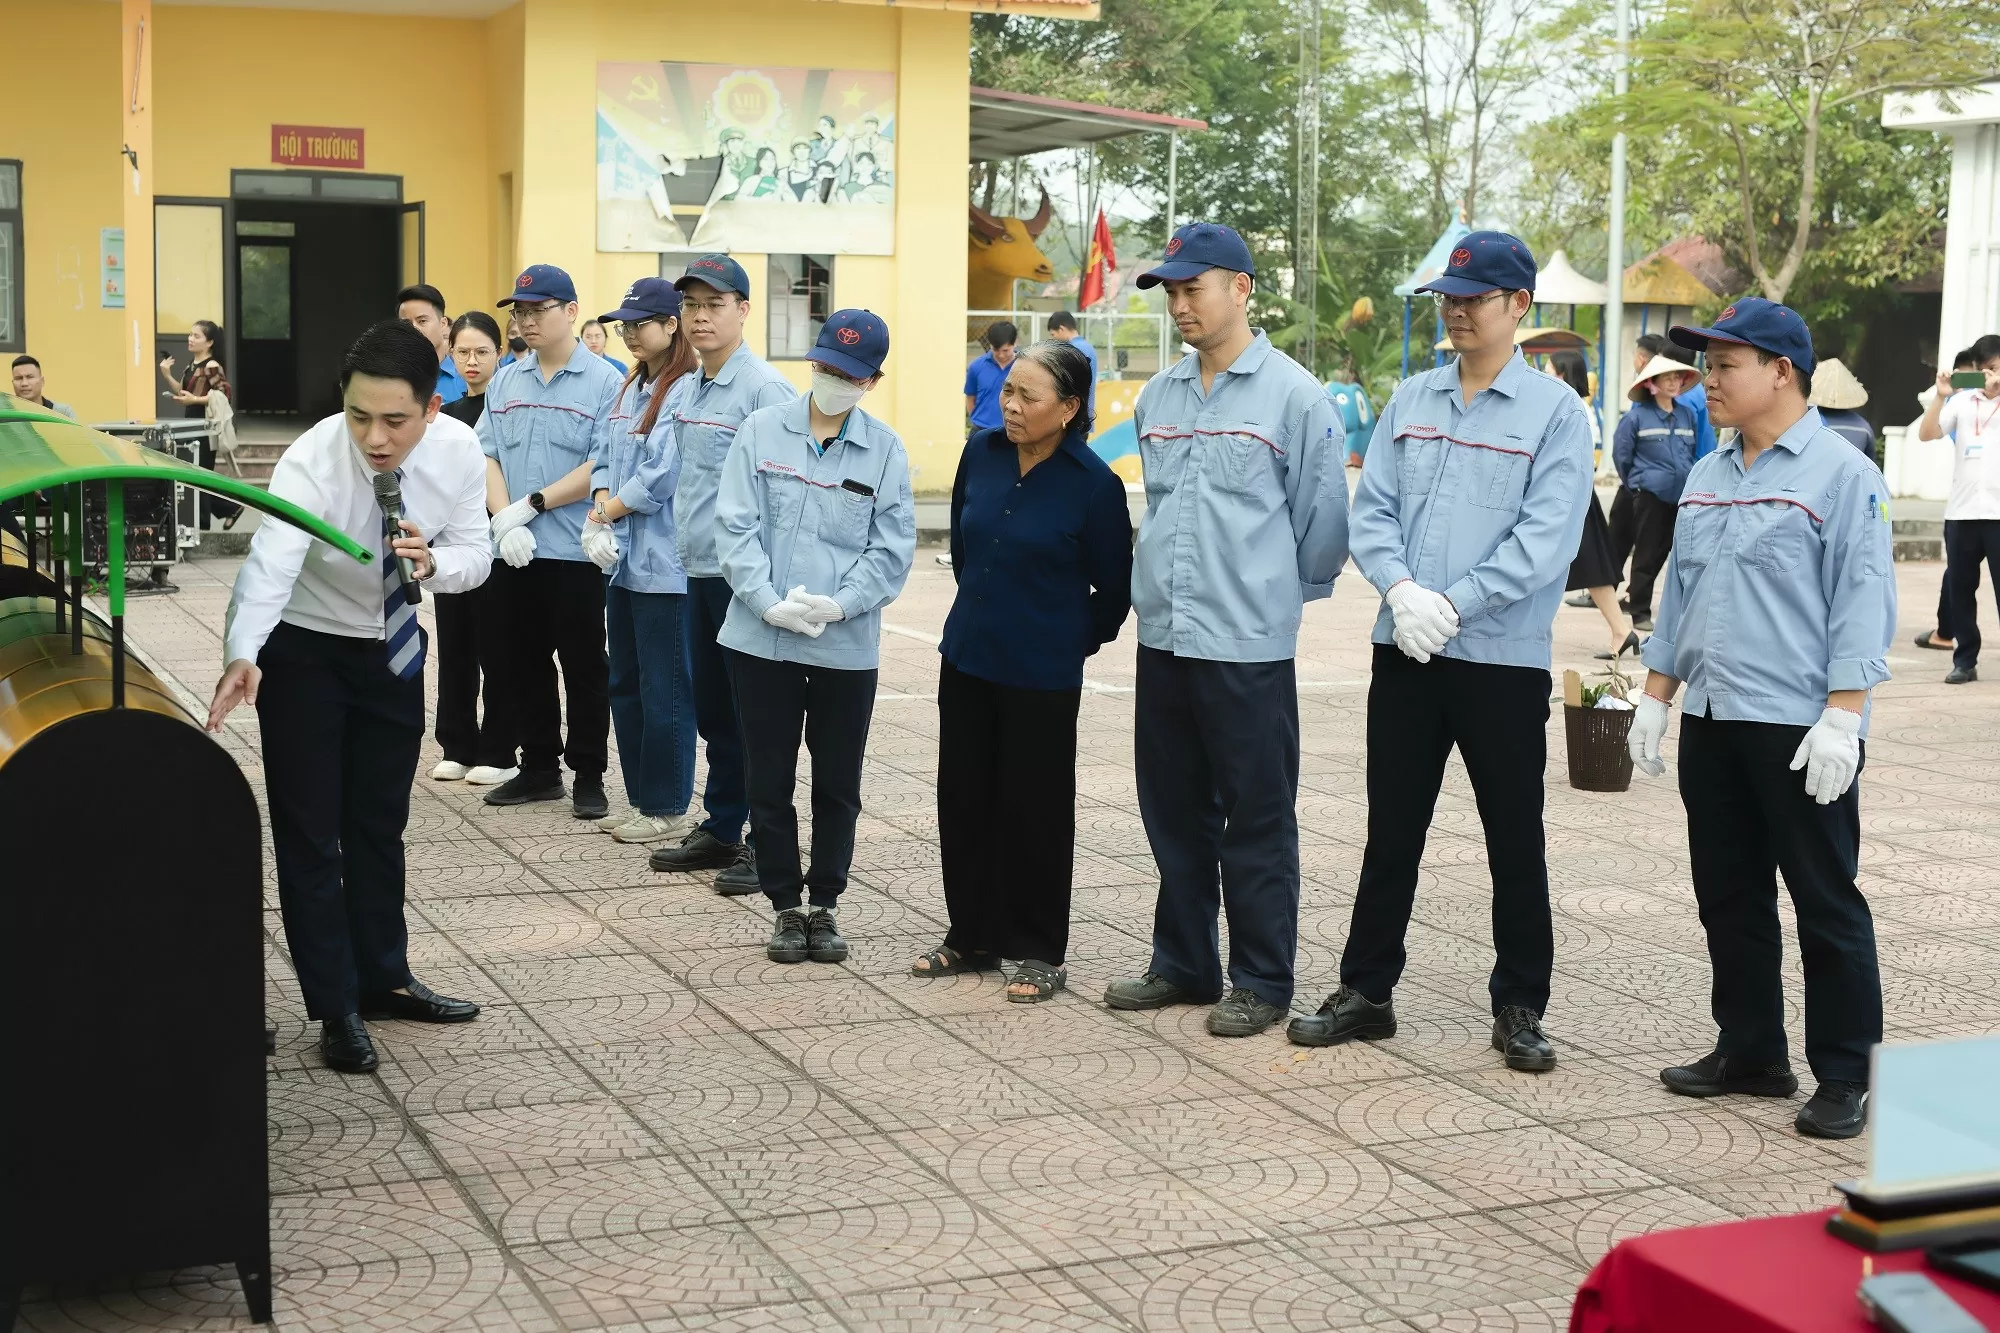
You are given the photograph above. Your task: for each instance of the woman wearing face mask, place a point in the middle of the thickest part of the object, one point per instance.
(1041, 545)
(630, 536)
(816, 531)
(478, 750)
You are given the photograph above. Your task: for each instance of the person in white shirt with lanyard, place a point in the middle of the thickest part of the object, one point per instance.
(1971, 417)
(330, 653)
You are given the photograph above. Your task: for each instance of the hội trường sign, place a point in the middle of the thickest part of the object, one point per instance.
(318, 146)
(759, 160)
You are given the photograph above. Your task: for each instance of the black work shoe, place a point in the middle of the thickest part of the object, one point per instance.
(421, 1005)
(1347, 1015)
(524, 787)
(1838, 1110)
(699, 850)
(823, 940)
(1517, 1034)
(1714, 1076)
(344, 1045)
(1151, 991)
(589, 801)
(741, 876)
(1643, 621)
(788, 937)
(1242, 1013)
(1962, 676)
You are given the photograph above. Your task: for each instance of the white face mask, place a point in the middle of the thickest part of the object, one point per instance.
(833, 395)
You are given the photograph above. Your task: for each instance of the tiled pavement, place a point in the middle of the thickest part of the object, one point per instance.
(651, 1127)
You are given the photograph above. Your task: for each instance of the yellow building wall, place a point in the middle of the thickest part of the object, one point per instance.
(60, 115)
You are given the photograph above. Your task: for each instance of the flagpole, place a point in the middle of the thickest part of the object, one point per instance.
(1173, 181)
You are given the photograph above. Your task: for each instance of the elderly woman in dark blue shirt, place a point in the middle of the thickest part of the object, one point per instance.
(1041, 545)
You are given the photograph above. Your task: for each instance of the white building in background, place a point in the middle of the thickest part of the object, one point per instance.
(1972, 222)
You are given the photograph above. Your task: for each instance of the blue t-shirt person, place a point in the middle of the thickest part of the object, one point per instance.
(983, 379)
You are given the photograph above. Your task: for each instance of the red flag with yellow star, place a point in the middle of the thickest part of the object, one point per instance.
(1097, 268)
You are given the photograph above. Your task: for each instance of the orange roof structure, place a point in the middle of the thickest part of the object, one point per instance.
(1691, 270)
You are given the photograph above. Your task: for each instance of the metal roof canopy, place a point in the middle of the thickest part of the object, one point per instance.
(1009, 125)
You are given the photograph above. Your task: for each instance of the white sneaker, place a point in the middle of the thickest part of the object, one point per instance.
(449, 770)
(611, 821)
(485, 775)
(944, 559)
(649, 828)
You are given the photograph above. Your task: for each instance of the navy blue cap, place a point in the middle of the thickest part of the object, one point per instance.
(1197, 248)
(1485, 261)
(648, 298)
(854, 342)
(538, 283)
(1755, 322)
(718, 271)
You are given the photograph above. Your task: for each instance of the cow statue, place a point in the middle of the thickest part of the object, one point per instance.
(1002, 250)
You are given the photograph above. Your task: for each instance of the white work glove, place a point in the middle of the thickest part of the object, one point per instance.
(1830, 754)
(792, 616)
(517, 548)
(516, 515)
(820, 609)
(1425, 620)
(1649, 728)
(600, 543)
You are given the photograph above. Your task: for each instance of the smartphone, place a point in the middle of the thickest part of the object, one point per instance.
(1912, 1303)
(1968, 379)
(1974, 1261)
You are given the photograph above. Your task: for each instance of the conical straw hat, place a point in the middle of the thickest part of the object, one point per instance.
(1642, 388)
(1834, 386)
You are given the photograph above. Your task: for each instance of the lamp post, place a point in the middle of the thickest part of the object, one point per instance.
(1609, 382)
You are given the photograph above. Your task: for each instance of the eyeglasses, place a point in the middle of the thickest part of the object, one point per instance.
(475, 353)
(1467, 302)
(625, 328)
(713, 305)
(528, 314)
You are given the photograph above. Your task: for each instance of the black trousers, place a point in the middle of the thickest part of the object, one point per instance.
(715, 709)
(1652, 539)
(468, 642)
(775, 701)
(1623, 525)
(1944, 587)
(1498, 718)
(1006, 794)
(1749, 816)
(1216, 754)
(1968, 542)
(340, 735)
(212, 506)
(550, 611)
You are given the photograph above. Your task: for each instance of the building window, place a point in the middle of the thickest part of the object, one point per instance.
(13, 306)
(801, 288)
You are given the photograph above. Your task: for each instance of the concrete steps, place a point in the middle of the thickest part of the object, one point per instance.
(1918, 538)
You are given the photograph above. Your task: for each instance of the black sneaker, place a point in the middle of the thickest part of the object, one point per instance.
(1714, 1076)
(788, 937)
(524, 787)
(1347, 1015)
(741, 877)
(1838, 1110)
(1151, 991)
(823, 939)
(589, 801)
(1242, 1013)
(1517, 1035)
(699, 850)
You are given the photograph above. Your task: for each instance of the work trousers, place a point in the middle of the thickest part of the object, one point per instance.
(550, 611)
(1944, 587)
(833, 708)
(1498, 717)
(1623, 527)
(340, 735)
(724, 797)
(467, 643)
(652, 700)
(1968, 542)
(1652, 540)
(1749, 818)
(1006, 797)
(1216, 754)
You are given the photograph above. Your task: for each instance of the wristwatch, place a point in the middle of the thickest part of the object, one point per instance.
(535, 500)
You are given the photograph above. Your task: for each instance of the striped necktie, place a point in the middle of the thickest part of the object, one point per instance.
(399, 617)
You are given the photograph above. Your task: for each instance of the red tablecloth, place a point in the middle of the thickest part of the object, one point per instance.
(1773, 1275)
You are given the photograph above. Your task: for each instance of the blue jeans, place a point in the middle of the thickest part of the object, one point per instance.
(727, 799)
(652, 698)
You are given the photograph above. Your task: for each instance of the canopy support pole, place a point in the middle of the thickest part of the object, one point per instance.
(75, 573)
(1613, 405)
(58, 548)
(114, 533)
(1173, 183)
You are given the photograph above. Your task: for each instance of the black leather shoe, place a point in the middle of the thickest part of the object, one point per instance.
(1151, 991)
(344, 1044)
(1714, 1076)
(741, 876)
(1242, 1013)
(1347, 1015)
(699, 850)
(1838, 1110)
(788, 937)
(524, 787)
(421, 1005)
(824, 943)
(589, 801)
(1517, 1034)
(1962, 676)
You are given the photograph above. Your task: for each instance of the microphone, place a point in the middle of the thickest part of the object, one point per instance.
(389, 494)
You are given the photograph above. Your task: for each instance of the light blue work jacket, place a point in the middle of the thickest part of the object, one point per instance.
(541, 431)
(641, 470)
(705, 423)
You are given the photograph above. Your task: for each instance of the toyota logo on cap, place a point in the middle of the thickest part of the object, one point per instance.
(1174, 246)
(849, 336)
(1461, 257)
(1727, 314)
(522, 281)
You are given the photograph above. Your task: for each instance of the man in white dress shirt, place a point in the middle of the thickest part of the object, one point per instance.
(329, 651)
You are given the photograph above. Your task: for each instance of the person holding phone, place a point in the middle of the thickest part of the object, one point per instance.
(1969, 413)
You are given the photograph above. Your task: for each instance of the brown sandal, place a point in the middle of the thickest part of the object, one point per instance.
(945, 961)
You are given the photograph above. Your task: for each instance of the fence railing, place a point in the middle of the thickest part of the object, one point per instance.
(1129, 346)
